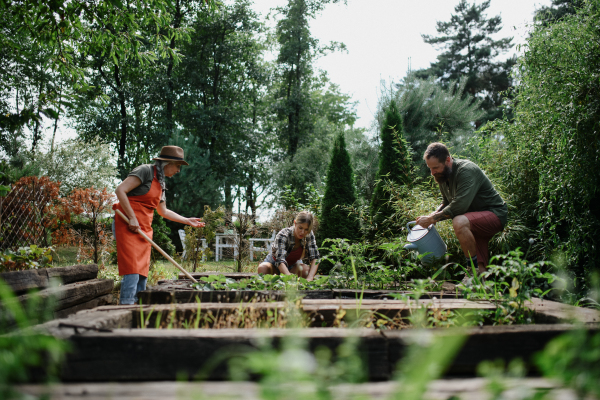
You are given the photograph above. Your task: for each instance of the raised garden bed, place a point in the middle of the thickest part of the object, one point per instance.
(79, 289)
(105, 350)
(109, 346)
(181, 291)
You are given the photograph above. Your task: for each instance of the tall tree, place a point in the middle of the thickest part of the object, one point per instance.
(297, 51)
(470, 50)
(432, 112)
(220, 86)
(559, 8)
(68, 31)
(339, 192)
(331, 111)
(394, 163)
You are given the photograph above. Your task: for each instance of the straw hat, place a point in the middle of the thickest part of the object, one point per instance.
(173, 154)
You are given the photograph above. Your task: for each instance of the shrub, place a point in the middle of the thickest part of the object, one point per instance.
(339, 191)
(394, 163)
(30, 257)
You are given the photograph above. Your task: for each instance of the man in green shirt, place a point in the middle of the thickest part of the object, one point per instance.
(469, 199)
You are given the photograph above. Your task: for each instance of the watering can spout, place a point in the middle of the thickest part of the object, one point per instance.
(410, 246)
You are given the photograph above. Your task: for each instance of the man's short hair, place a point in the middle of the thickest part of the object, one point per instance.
(437, 150)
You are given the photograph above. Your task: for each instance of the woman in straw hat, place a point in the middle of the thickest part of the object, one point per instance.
(142, 192)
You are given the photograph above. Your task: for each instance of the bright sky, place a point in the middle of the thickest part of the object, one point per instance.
(381, 36)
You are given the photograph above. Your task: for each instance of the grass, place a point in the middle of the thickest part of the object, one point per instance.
(65, 256)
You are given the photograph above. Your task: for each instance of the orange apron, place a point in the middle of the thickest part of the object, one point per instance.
(133, 251)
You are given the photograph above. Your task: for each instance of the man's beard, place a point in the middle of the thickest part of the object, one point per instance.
(444, 175)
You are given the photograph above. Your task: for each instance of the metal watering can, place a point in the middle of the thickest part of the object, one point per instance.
(425, 240)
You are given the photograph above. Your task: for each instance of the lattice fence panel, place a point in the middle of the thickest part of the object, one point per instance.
(24, 216)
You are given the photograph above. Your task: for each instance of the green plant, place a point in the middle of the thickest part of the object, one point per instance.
(395, 164)
(352, 263)
(510, 281)
(574, 359)
(339, 191)
(25, 258)
(193, 236)
(25, 348)
(293, 363)
(428, 357)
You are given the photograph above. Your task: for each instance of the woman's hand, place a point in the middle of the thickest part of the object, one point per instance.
(134, 225)
(195, 222)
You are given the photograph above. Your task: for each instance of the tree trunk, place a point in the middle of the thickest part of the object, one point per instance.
(177, 19)
(123, 139)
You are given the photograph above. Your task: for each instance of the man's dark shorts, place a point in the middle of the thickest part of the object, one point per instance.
(484, 225)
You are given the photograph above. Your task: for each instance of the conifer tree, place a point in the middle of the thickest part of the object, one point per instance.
(339, 191)
(471, 51)
(394, 162)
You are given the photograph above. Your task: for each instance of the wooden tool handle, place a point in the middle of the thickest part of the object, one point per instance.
(161, 251)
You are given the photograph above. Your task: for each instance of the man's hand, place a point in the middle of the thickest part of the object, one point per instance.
(425, 221)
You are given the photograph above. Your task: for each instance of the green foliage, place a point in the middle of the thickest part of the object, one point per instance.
(394, 163)
(559, 8)
(573, 359)
(511, 281)
(355, 266)
(470, 51)
(24, 348)
(364, 154)
(427, 359)
(67, 32)
(328, 111)
(339, 192)
(433, 112)
(289, 200)
(304, 173)
(317, 372)
(552, 145)
(193, 236)
(31, 257)
(160, 236)
(76, 164)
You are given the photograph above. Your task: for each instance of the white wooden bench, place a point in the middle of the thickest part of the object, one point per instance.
(182, 238)
(226, 240)
(267, 245)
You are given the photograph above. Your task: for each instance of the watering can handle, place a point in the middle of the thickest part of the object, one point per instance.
(414, 223)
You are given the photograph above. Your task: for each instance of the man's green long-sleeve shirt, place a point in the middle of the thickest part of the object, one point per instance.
(469, 190)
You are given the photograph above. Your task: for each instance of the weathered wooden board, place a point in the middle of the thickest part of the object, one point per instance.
(151, 354)
(181, 291)
(76, 293)
(213, 296)
(441, 389)
(382, 294)
(551, 312)
(487, 343)
(21, 281)
(100, 318)
(231, 275)
(88, 305)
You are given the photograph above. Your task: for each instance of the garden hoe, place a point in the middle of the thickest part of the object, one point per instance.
(161, 251)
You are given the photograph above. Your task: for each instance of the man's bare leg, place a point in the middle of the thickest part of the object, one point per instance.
(462, 229)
